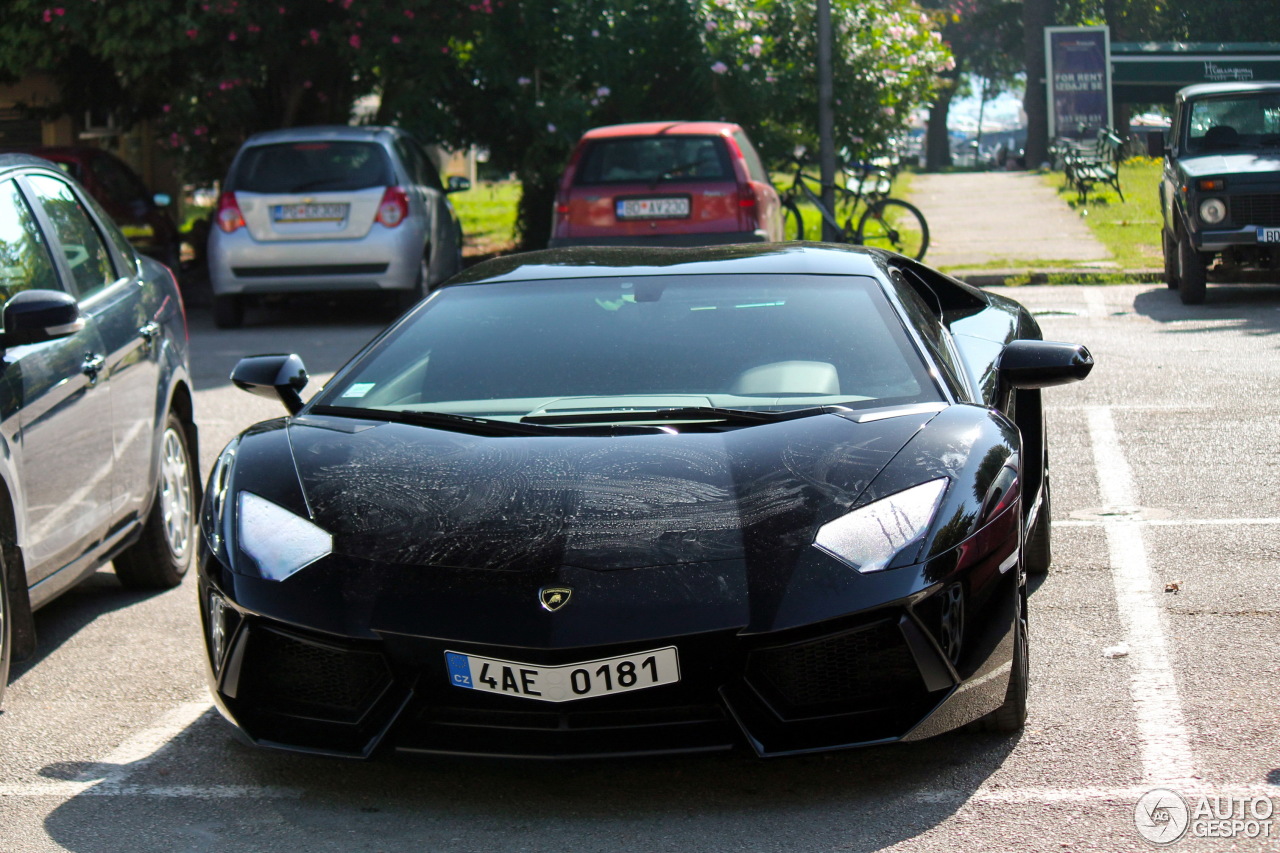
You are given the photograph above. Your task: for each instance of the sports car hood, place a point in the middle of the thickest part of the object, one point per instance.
(413, 495)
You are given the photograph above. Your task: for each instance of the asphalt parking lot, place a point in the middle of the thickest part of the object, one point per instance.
(1154, 659)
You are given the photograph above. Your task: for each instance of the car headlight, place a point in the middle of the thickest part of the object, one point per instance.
(871, 536)
(282, 543)
(1213, 211)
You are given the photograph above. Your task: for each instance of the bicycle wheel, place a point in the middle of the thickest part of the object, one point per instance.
(894, 225)
(792, 221)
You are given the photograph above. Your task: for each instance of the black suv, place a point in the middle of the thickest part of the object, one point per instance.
(1221, 187)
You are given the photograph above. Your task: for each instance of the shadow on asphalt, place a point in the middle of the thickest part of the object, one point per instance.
(1254, 308)
(863, 800)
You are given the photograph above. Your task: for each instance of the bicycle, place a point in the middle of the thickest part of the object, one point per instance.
(886, 223)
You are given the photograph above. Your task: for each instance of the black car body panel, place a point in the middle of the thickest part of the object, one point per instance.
(698, 537)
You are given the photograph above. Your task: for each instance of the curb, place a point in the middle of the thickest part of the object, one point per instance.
(1018, 278)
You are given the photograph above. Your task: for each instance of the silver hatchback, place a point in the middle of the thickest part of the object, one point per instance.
(331, 208)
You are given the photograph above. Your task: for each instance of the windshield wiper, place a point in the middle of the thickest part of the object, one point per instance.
(441, 420)
(685, 413)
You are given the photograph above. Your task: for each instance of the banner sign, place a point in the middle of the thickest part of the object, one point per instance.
(1079, 80)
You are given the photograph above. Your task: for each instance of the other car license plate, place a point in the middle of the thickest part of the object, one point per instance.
(308, 212)
(568, 682)
(652, 208)
(1268, 235)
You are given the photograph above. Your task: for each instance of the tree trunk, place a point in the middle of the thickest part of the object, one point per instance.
(937, 143)
(533, 216)
(1036, 15)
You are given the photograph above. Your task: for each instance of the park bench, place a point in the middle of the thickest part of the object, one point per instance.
(1087, 163)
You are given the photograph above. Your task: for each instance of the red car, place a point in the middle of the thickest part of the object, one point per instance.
(665, 183)
(140, 215)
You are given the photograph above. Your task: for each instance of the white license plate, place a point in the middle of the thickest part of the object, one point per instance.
(652, 208)
(1268, 235)
(564, 683)
(309, 212)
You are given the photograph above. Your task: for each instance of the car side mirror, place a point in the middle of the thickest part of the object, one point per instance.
(279, 376)
(1028, 364)
(457, 184)
(35, 316)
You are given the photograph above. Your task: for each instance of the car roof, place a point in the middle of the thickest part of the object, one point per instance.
(363, 133)
(17, 160)
(597, 261)
(661, 128)
(1202, 89)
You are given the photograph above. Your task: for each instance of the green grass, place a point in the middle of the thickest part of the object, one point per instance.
(1130, 229)
(488, 215)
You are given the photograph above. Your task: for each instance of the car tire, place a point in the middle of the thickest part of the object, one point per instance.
(406, 299)
(1039, 553)
(163, 554)
(228, 311)
(6, 629)
(1170, 247)
(1191, 273)
(1012, 715)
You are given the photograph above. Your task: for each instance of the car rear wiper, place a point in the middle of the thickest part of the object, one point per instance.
(684, 413)
(442, 420)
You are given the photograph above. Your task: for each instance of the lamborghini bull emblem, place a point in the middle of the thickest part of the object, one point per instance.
(554, 597)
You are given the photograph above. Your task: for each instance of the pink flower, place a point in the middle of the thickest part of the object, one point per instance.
(192, 33)
(719, 68)
(712, 26)
(408, 13)
(354, 41)
(395, 39)
(755, 50)
(48, 15)
(231, 36)
(201, 130)
(254, 28)
(315, 36)
(603, 92)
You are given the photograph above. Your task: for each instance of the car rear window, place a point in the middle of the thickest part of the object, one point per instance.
(314, 166)
(650, 159)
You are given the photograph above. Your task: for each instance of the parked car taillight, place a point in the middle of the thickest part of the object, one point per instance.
(748, 202)
(747, 196)
(394, 207)
(229, 217)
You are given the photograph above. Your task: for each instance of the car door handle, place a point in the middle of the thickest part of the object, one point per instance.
(149, 333)
(92, 366)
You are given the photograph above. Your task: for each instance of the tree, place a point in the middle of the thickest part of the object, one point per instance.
(211, 72)
(886, 61)
(983, 36)
(532, 76)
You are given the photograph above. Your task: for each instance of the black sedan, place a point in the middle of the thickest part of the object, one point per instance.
(615, 501)
(97, 440)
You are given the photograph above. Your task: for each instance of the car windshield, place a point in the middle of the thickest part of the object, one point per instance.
(1235, 121)
(553, 351)
(650, 159)
(311, 166)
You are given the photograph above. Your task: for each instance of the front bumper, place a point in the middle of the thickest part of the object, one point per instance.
(873, 677)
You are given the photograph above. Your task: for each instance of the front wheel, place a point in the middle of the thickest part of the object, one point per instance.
(792, 221)
(1191, 273)
(161, 556)
(894, 225)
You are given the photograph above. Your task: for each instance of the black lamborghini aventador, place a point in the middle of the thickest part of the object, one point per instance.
(615, 501)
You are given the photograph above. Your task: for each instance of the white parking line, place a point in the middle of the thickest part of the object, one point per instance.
(1162, 732)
